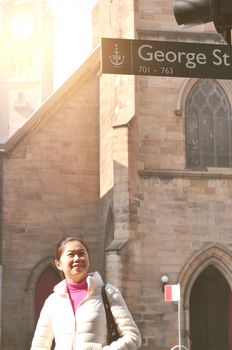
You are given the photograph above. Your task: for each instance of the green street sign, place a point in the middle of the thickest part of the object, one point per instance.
(166, 58)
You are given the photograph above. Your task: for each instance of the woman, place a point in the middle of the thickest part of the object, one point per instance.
(74, 313)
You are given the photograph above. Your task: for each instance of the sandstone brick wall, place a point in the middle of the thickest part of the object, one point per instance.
(50, 190)
(129, 157)
(177, 219)
(168, 218)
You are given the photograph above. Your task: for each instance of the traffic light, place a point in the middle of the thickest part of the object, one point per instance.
(194, 12)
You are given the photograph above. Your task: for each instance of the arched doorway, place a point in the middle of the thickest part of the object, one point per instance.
(44, 286)
(210, 311)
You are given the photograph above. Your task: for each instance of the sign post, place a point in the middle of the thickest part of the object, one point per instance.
(179, 325)
(172, 293)
(163, 58)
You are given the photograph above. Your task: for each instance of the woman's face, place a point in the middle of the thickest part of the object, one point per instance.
(74, 261)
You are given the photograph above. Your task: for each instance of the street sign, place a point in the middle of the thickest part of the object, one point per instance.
(172, 292)
(166, 58)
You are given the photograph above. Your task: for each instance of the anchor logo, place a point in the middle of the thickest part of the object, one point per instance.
(116, 58)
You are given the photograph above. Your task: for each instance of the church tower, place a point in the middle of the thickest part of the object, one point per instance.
(25, 61)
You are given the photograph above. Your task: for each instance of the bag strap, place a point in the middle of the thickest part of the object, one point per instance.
(111, 325)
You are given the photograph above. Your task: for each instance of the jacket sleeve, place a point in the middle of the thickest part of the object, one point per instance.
(43, 335)
(130, 338)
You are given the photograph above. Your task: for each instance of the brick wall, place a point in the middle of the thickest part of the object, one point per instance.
(167, 219)
(51, 190)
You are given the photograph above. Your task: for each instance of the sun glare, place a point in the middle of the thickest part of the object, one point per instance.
(21, 26)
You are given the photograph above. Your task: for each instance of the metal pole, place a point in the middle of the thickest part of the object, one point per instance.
(179, 325)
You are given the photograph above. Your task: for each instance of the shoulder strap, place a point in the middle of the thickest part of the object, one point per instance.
(111, 325)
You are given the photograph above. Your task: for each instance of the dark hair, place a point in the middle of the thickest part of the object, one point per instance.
(60, 246)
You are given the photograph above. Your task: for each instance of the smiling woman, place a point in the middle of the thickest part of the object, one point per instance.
(72, 259)
(74, 315)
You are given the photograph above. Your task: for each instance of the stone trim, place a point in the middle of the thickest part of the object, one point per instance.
(186, 174)
(115, 246)
(36, 272)
(216, 255)
(198, 37)
(186, 88)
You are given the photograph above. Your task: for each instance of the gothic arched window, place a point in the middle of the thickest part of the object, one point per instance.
(208, 126)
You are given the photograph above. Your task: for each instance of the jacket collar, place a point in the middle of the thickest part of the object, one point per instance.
(94, 282)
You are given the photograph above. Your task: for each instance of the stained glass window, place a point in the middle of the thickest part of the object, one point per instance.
(208, 126)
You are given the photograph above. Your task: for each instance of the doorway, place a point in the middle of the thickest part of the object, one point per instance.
(210, 311)
(44, 287)
(45, 284)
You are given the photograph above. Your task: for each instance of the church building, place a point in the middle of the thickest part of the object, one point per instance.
(140, 168)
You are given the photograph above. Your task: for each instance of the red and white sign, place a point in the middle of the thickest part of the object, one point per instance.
(172, 292)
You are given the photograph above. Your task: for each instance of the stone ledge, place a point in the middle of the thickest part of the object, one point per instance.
(115, 246)
(188, 36)
(185, 174)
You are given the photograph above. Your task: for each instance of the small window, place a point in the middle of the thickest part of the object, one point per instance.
(208, 126)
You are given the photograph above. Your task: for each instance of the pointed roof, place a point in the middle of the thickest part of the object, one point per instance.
(90, 67)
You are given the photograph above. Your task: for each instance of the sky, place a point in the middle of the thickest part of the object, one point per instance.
(72, 34)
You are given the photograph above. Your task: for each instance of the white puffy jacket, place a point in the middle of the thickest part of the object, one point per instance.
(87, 329)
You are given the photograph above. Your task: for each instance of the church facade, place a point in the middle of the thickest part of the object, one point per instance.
(139, 167)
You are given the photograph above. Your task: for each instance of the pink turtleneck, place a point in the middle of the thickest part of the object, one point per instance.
(77, 292)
